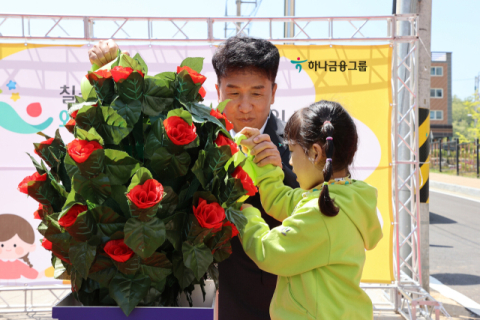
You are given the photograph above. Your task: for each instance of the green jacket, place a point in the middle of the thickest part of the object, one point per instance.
(318, 259)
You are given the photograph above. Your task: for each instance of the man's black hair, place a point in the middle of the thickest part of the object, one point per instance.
(241, 53)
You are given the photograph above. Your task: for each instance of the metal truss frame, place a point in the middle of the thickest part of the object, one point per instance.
(89, 30)
(405, 295)
(57, 293)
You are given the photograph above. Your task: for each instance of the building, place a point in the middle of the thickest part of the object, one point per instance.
(441, 95)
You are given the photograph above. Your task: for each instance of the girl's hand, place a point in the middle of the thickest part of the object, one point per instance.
(265, 151)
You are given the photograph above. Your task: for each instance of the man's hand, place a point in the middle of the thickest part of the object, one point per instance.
(262, 147)
(104, 52)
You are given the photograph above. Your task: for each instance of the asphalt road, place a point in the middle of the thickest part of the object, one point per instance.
(455, 243)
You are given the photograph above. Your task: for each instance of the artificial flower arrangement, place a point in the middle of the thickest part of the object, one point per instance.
(142, 204)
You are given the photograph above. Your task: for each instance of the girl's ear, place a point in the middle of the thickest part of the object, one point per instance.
(317, 153)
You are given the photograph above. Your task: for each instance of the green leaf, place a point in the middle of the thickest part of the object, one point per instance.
(194, 63)
(221, 106)
(95, 189)
(144, 237)
(105, 90)
(203, 113)
(102, 262)
(168, 203)
(237, 218)
(36, 164)
(156, 139)
(108, 221)
(72, 107)
(131, 89)
(70, 166)
(141, 175)
(83, 228)
(174, 226)
(197, 258)
(156, 274)
(114, 127)
(184, 275)
(119, 166)
(158, 260)
(129, 267)
(168, 165)
(87, 118)
(185, 115)
(90, 135)
(104, 276)
(129, 62)
(142, 63)
(59, 269)
(82, 255)
(158, 93)
(129, 291)
(118, 194)
(93, 165)
(223, 253)
(130, 111)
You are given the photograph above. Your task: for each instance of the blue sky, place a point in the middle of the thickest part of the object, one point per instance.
(455, 24)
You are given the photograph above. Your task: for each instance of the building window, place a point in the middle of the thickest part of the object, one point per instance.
(436, 115)
(436, 93)
(436, 71)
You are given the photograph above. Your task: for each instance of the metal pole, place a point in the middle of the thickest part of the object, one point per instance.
(458, 151)
(239, 14)
(440, 154)
(424, 10)
(405, 224)
(477, 141)
(289, 11)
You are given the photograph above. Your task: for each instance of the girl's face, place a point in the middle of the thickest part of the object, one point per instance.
(308, 174)
(14, 248)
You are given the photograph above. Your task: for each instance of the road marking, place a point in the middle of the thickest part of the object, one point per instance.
(455, 195)
(455, 295)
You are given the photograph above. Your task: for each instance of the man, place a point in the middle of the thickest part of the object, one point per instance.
(246, 69)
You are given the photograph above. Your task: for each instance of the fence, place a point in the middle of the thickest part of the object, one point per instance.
(455, 157)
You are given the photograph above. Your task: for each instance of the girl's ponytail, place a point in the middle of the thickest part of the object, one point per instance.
(325, 203)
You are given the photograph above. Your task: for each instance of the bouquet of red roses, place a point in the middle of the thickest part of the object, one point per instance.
(142, 204)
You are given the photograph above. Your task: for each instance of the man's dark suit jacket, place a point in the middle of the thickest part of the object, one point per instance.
(246, 291)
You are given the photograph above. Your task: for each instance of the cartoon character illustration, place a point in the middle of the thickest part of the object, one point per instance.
(16, 242)
(11, 120)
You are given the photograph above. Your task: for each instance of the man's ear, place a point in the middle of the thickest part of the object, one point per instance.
(274, 90)
(317, 153)
(218, 92)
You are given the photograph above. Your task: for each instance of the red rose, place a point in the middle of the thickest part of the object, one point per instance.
(80, 150)
(202, 92)
(71, 216)
(209, 215)
(47, 244)
(118, 250)
(234, 228)
(219, 116)
(105, 74)
(119, 73)
(178, 130)
(141, 73)
(146, 195)
(222, 140)
(39, 213)
(74, 114)
(23, 186)
(247, 182)
(196, 77)
(46, 142)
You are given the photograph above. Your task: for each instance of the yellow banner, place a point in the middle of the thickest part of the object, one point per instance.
(359, 78)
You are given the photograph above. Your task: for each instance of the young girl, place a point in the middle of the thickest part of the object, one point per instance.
(16, 242)
(318, 252)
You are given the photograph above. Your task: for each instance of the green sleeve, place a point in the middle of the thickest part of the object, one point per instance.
(300, 244)
(278, 200)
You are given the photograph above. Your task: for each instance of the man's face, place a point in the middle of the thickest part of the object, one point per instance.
(251, 93)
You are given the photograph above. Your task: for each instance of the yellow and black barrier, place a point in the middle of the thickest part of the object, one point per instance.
(424, 152)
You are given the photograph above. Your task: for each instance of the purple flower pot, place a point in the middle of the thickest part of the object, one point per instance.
(70, 309)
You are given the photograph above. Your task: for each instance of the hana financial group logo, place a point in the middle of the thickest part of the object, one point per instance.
(298, 64)
(11, 120)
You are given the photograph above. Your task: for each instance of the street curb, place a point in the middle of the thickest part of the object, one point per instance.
(448, 292)
(455, 188)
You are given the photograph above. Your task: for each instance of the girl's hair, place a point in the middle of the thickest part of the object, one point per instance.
(314, 124)
(10, 225)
